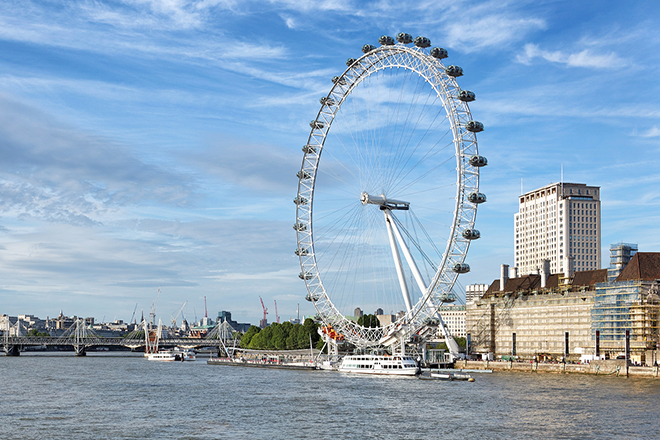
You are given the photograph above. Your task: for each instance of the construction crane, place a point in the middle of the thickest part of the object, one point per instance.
(277, 317)
(174, 318)
(263, 321)
(152, 314)
(133, 317)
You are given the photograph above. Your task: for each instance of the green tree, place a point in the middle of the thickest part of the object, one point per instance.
(247, 337)
(262, 340)
(308, 329)
(292, 339)
(370, 321)
(279, 335)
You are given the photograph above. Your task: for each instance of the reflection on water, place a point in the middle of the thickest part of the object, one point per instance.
(109, 397)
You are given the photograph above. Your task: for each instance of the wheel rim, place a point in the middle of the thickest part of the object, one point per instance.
(378, 140)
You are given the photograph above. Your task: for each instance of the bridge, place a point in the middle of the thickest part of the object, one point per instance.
(81, 337)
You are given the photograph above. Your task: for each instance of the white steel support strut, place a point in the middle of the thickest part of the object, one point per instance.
(397, 263)
(406, 253)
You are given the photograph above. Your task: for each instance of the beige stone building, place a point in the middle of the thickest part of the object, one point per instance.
(554, 317)
(560, 223)
(531, 317)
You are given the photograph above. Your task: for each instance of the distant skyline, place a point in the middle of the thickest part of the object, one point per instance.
(149, 144)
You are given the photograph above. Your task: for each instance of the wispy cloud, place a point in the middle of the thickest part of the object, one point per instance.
(650, 133)
(54, 172)
(490, 30)
(583, 58)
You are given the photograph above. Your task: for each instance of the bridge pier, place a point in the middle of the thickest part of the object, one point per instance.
(80, 350)
(12, 350)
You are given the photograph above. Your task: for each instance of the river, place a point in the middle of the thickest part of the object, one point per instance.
(106, 396)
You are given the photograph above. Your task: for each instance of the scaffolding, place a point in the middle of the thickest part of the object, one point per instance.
(620, 256)
(626, 305)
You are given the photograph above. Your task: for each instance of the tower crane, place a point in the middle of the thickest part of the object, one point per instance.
(152, 314)
(263, 321)
(277, 317)
(174, 318)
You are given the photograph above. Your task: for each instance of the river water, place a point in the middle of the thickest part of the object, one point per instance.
(105, 396)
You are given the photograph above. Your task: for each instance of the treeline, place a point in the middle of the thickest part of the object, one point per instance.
(285, 336)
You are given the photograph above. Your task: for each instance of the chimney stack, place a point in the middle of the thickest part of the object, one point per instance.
(568, 268)
(545, 273)
(513, 272)
(504, 276)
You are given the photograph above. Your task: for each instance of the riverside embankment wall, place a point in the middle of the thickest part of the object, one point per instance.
(611, 367)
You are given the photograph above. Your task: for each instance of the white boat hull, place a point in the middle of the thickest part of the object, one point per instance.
(379, 365)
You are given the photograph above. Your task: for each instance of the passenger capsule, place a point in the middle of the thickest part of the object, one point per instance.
(439, 53)
(317, 124)
(450, 297)
(327, 101)
(461, 268)
(386, 40)
(299, 227)
(368, 48)
(300, 200)
(471, 234)
(338, 80)
(466, 96)
(303, 175)
(301, 252)
(404, 38)
(454, 71)
(474, 126)
(309, 149)
(477, 197)
(312, 298)
(305, 276)
(422, 42)
(350, 62)
(478, 161)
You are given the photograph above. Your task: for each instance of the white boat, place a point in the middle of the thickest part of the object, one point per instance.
(178, 354)
(185, 354)
(396, 365)
(163, 356)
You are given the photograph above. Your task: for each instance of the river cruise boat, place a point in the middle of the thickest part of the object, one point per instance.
(396, 365)
(163, 356)
(177, 354)
(185, 354)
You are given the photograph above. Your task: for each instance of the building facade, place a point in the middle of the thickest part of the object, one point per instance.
(475, 291)
(559, 222)
(553, 317)
(454, 318)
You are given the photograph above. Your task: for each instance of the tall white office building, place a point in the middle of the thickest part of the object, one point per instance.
(559, 223)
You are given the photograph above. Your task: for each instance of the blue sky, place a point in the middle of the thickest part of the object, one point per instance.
(155, 143)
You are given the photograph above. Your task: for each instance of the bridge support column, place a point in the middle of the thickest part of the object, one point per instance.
(80, 350)
(12, 350)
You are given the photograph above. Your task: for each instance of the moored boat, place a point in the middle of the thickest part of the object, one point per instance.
(163, 356)
(395, 365)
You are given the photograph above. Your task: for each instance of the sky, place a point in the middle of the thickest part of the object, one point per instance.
(150, 144)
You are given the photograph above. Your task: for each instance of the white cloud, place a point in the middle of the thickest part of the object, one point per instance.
(56, 173)
(584, 58)
(489, 30)
(651, 132)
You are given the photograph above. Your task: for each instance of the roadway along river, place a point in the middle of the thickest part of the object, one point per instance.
(102, 396)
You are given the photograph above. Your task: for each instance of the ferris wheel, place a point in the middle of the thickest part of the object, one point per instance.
(385, 219)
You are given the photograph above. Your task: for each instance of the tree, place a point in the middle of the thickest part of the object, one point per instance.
(247, 337)
(370, 321)
(292, 339)
(279, 335)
